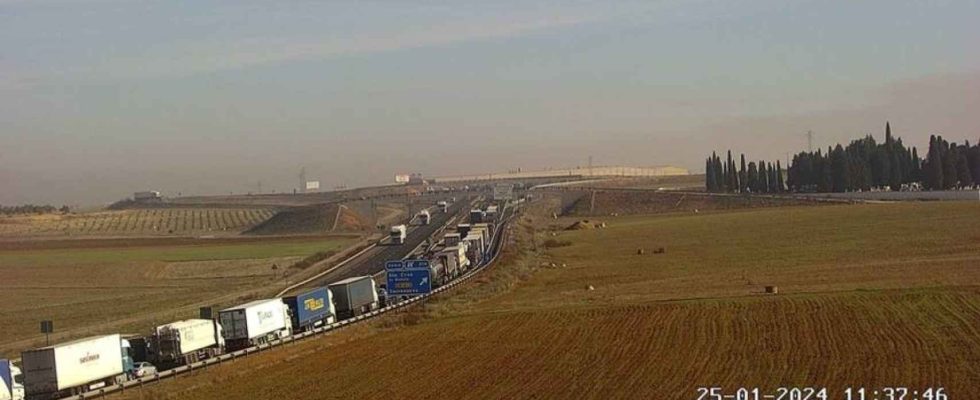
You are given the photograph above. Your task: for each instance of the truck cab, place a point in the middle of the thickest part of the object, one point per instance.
(398, 234)
(11, 381)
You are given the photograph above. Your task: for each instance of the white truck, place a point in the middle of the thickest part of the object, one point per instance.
(354, 296)
(474, 248)
(491, 213)
(454, 258)
(76, 367)
(398, 234)
(443, 206)
(424, 217)
(254, 323)
(11, 381)
(185, 342)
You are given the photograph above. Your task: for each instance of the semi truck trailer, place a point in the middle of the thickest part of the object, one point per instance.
(76, 367)
(354, 296)
(11, 381)
(311, 309)
(185, 342)
(254, 323)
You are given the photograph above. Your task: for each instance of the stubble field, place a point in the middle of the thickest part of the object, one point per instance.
(105, 286)
(869, 295)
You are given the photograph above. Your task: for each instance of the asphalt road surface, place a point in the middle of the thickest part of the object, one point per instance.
(373, 261)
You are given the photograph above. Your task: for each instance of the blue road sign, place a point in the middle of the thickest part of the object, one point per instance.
(393, 265)
(409, 282)
(416, 264)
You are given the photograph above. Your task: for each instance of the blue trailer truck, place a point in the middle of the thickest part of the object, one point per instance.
(311, 309)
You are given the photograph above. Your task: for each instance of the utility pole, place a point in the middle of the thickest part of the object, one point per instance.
(809, 141)
(590, 166)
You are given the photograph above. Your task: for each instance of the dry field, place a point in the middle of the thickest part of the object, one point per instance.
(138, 222)
(639, 202)
(102, 286)
(870, 295)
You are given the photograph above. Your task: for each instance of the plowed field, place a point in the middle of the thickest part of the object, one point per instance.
(869, 296)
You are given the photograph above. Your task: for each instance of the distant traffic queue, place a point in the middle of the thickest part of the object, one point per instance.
(91, 363)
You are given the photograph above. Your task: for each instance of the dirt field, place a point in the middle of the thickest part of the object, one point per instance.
(142, 222)
(125, 285)
(640, 202)
(869, 295)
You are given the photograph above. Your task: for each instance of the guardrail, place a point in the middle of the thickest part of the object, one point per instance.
(495, 245)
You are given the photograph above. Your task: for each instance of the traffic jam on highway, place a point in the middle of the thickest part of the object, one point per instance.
(100, 364)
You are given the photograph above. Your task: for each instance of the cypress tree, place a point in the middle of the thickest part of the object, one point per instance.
(709, 177)
(719, 181)
(780, 186)
(764, 176)
(934, 165)
(949, 163)
(742, 176)
(839, 177)
(753, 178)
(963, 176)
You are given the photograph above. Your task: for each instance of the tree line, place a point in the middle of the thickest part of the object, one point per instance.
(862, 165)
(761, 177)
(32, 209)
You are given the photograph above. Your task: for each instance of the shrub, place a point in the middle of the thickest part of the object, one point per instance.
(551, 243)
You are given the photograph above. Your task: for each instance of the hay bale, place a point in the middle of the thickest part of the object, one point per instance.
(772, 290)
(590, 288)
(640, 252)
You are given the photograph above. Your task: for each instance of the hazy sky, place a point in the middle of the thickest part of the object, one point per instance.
(100, 98)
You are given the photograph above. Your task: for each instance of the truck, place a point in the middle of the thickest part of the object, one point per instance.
(424, 217)
(451, 239)
(254, 323)
(185, 342)
(474, 249)
(463, 229)
(76, 367)
(443, 206)
(491, 213)
(398, 234)
(11, 381)
(312, 309)
(455, 260)
(477, 216)
(354, 296)
(485, 231)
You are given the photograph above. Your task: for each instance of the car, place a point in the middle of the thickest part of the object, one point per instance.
(143, 369)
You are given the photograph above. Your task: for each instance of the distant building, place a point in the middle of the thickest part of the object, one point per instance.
(148, 196)
(416, 179)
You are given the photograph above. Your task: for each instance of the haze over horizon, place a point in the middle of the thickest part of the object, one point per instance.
(101, 98)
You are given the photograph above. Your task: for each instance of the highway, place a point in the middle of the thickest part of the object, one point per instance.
(372, 261)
